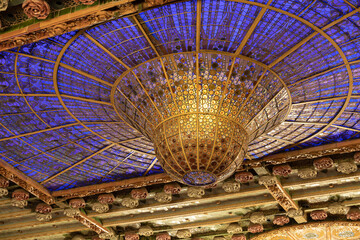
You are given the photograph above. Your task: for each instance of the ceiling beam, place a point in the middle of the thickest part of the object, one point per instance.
(27, 183)
(112, 186)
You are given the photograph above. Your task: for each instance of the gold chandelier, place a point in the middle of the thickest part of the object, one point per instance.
(201, 111)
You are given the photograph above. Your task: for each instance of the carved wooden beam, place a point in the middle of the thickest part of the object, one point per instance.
(92, 224)
(25, 182)
(279, 193)
(112, 186)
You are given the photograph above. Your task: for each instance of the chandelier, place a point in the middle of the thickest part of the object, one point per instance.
(201, 110)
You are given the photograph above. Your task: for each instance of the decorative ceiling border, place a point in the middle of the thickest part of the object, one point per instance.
(112, 186)
(33, 187)
(75, 21)
(308, 153)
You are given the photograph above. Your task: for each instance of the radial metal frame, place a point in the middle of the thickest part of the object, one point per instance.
(264, 8)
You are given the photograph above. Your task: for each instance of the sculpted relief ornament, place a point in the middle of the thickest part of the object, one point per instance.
(337, 209)
(100, 207)
(195, 192)
(146, 231)
(39, 9)
(231, 186)
(234, 228)
(307, 173)
(129, 202)
(185, 233)
(257, 217)
(347, 167)
(163, 197)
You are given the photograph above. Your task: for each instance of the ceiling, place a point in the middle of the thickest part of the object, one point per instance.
(58, 120)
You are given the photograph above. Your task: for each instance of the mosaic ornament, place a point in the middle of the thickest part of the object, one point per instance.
(282, 170)
(255, 228)
(19, 203)
(106, 198)
(129, 202)
(185, 233)
(353, 214)
(198, 127)
(100, 207)
(238, 237)
(234, 228)
(231, 186)
(318, 215)
(267, 180)
(146, 231)
(39, 9)
(323, 163)
(163, 197)
(71, 212)
(20, 194)
(338, 208)
(77, 203)
(195, 192)
(281, 220)
(347, 167)
(163, 236)
(257, 217)
(43, 208)
(131, 236)
(244, 177)
(139, 193)
(307, 173)
(172, 188)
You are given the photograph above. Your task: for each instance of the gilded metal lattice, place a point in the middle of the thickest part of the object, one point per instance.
(200, 120)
